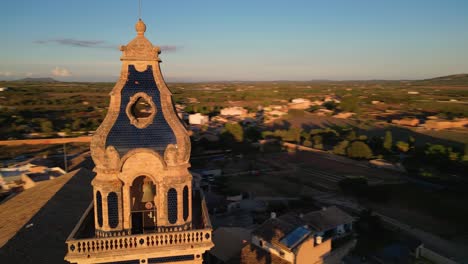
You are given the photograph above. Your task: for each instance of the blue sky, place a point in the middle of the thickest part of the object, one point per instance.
(238, 40)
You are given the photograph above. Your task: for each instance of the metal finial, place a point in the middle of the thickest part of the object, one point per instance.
(139, 9)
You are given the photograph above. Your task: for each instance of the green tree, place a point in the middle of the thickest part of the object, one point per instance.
(350, 104)
(235, 130)
(351, 135)
(76, 125)
(362, 137)
(465, 154)
(330, 105)
(252, 134)
(411, 142)
(47, 126)
(317, 139)
(340, 149)
(387, 144)
(402, 146)
(359, 150)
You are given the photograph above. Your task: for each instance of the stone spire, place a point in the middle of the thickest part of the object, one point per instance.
(143, 208)
(140, 48)
(142, 137)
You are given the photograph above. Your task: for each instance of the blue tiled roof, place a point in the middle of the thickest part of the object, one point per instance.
(123, 135)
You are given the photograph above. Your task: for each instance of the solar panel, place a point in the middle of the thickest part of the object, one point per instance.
(295, 237)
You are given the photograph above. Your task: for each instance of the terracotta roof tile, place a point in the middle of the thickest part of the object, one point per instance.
(327, 219)
(251, 254)
(53, 207)
(274, 229)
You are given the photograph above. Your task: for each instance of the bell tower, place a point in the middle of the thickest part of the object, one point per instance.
(144, 207)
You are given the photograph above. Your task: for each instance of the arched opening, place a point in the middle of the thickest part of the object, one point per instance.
(113, 210)
(143, 208)
(186, 203)
(99, 208)
(172, 205)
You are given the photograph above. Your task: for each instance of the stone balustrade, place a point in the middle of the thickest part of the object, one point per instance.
(155, 240)
(205, 215)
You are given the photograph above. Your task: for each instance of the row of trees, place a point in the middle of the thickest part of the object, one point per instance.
(424, 160)
(21, 123)
(346, 142)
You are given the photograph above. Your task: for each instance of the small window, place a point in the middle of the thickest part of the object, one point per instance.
(99, 208)
(281, 253)
(113, 209)
(261, 243)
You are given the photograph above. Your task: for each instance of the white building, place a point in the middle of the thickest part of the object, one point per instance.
(302, 239)
(300, 100)
(198, 119)
(299, 103)
(234, 111)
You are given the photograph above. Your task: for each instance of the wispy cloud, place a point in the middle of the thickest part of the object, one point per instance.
(61, 72)
(95, 44)
(80, 43)
(170, 48)
(6, 73)
(76, 43)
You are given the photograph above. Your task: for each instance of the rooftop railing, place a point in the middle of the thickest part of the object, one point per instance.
(157, 240)
(77, 246)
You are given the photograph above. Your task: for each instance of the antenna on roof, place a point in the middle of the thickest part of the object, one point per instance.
(139, 9)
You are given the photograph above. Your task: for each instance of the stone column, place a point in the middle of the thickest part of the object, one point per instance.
(105, 212)
(126, 202)
(161, 205)
(180, 205)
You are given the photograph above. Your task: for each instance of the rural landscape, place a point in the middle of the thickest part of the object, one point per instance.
(234, 132)
(398, 148)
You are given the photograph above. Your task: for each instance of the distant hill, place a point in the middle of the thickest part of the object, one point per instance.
(43, 79)
(455, 79)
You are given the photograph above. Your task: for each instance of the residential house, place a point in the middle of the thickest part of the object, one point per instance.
(301, 239)
(299, 103)
(413, 122)
(234, 111)
(198, 119)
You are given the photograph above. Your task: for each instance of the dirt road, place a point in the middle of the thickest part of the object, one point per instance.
(44, 141)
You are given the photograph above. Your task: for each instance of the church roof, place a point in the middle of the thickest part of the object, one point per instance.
(35, 224)
(125, 136)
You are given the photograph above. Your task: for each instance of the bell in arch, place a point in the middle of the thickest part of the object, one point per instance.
(147, 189)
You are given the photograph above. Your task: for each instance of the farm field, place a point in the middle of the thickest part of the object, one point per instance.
(47, 107)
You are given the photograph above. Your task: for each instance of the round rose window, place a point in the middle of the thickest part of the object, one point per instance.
(141, 110)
